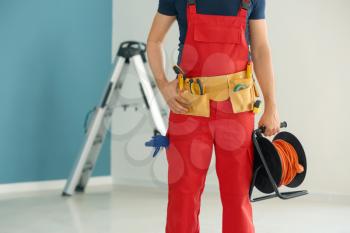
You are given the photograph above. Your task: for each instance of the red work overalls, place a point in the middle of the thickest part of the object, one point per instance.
(214, 45)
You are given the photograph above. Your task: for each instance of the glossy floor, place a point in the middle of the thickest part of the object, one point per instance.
(141, 210)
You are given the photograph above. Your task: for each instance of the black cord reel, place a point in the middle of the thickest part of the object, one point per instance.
(267, 170)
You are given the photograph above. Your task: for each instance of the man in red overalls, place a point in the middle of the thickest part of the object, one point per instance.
(212, 45)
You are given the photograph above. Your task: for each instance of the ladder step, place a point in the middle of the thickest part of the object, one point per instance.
(108, 113)
(88, 167)
(98, 140)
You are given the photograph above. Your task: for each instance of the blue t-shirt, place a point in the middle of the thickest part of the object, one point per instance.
(213, 7)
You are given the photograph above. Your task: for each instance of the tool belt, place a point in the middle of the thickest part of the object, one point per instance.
(239, 87)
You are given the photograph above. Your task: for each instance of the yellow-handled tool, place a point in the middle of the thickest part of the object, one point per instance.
(200, 87)
(192, 86)
(181, 81)
(256, 108)
(250, 69)
(180, 76)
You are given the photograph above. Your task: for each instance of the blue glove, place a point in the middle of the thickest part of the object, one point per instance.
(157, 142)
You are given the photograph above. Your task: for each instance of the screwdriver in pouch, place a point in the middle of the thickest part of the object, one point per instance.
(200, 87)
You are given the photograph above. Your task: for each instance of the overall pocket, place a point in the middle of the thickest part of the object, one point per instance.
(199, 104)
(218, 34)
(242, 95)
(218, 29)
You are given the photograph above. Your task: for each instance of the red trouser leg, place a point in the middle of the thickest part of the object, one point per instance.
(189, 155)
(234, 165)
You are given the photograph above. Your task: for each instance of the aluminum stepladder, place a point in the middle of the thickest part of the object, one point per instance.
(129, 52)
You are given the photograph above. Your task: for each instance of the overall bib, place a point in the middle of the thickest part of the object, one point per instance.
(215, 45)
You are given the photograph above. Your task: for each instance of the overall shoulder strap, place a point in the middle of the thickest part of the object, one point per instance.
(246, 4)
(191, 2)
(243, 10)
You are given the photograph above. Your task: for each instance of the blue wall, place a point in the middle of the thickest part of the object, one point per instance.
(55, 61)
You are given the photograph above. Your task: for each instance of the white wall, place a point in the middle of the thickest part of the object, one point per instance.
(309, 41)
(311, 59)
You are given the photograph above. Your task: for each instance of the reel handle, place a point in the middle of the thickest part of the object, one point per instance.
(262, 129)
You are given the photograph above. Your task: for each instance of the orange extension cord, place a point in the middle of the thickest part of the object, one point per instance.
(290, 161)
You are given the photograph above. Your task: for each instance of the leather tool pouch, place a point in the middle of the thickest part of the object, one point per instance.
(199, 104)
(243, 99)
